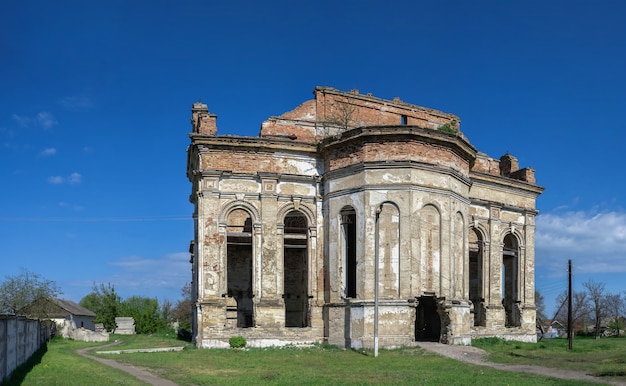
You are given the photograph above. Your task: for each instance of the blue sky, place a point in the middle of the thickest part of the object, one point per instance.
(95, 102)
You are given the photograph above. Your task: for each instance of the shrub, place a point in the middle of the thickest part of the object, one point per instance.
(237, 342)
(449, 128)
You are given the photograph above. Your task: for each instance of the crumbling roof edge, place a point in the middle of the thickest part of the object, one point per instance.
(502, 180)
(268, 142)
(396, 102)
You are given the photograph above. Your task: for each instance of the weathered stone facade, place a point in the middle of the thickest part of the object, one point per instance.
(292, 228)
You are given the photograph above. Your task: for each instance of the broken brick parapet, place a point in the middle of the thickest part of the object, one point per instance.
(507, 166)
(202, 121)
(368, 110)
(333, 112)
(526, 174)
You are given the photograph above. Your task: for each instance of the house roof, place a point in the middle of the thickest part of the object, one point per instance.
(73, 308)
(54, 308)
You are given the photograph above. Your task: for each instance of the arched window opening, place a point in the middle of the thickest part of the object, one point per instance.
(430, 241)
(389, 251)
(295, 257)
(239, 265)
(510, 281)
(476, 250)
(348, 234)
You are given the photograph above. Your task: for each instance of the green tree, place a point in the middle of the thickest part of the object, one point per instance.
(105, 303)
(145, 311)
(181, 312)
(19, 291)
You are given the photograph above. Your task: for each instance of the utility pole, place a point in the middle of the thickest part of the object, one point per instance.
(570, 327)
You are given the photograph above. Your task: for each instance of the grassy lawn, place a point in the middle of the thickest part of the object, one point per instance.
(59, 364)
(319, 365)
(605, 357)
(323, 365)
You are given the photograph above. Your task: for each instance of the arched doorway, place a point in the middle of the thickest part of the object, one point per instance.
(296, 270)
(510, 280)
(348, 241)
(476, 250)
(239, 265)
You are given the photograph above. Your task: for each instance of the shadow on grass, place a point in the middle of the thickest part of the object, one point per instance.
(19, 374)
(361, 351)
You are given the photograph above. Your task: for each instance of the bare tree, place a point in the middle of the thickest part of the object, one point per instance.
(19, 291)
(343, 115)
(580, 309)
(541, 306)
(340, 117)
(598, 303)
(616, 306)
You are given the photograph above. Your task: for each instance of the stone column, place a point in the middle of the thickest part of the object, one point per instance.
(495, 316)
(529, 308)
(270, 311)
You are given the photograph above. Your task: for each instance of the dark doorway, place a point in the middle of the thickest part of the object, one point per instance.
(348, 228)
(427, 320)
(476, 276)
(239, 265)
(296, 271)
(510, 282)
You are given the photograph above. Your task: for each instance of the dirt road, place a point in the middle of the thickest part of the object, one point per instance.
(477, 356)
(141, 374)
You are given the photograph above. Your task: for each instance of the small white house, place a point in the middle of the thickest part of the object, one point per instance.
(60, 310)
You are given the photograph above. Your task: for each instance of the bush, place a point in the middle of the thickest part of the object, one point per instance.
(237, 342)
(449, 128)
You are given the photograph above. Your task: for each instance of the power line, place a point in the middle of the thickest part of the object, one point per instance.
(94, 219)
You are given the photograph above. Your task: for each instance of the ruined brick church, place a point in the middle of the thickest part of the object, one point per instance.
(352, 213)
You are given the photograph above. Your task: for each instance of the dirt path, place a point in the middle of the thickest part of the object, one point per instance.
(477, 356)
(137, 372)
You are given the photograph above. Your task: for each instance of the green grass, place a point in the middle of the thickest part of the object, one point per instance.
(605, 357)
(319, 365)
(322, 365)
(57, 363)
(157, 340)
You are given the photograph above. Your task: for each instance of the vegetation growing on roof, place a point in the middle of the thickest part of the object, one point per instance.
(449, 128)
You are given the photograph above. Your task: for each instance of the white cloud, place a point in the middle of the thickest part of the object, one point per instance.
(46, 120)
(48, 152)
(22, 121)
(75, 178)
(56, 180)
(42, 119)
(595, 242)
(73, 207)
(143, 276)
(76, 103)
(72, 179)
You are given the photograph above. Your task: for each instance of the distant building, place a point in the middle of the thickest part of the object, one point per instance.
(552, 329)
(293, 227)
(59, 311)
